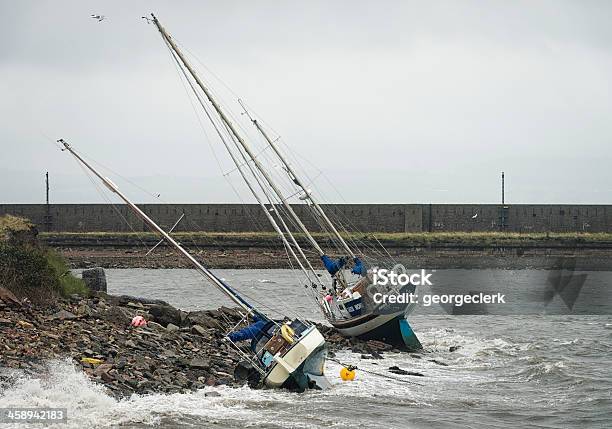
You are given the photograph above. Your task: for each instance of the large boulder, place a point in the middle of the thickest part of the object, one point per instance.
(125, 299)
(166, 314)
(203, 318)
(95, 279)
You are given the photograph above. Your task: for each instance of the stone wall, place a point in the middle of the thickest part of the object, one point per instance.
(362, 217)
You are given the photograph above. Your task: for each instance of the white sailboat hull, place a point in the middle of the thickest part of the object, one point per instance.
(392, 328)
(293, 362)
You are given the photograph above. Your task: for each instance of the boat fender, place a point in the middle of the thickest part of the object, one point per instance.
(287, 333)
(347, 373)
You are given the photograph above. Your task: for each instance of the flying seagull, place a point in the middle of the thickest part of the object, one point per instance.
(100, 18)
(475, 216)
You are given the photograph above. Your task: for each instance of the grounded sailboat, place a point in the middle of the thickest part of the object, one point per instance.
(345, 301)
(287, 354)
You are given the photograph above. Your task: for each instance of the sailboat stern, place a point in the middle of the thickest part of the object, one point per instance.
(392, 329)
(311, 373)
(397, 332)
(302, 366)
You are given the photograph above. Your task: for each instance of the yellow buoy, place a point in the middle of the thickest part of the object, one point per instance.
(347, 374)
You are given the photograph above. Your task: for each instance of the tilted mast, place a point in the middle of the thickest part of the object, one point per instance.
(199, 267)
(257, 197)
(253, 192)
(238, 137)
(294, 177)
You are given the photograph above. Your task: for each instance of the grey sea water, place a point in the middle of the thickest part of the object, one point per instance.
(529, 363)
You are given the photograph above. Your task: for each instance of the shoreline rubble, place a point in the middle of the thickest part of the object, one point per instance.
(177, 351)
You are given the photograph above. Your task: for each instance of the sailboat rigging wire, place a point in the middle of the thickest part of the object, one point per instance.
(182, 72)
(225, 85)
(244, 105)
(253, 220)
(234, 132)
(319, 221)
(204, 106)
(256, 174)
(102, 194)
(242, 164)
(201, 273)
(309, 286)
(357, 243)
(331, 184)
(152, 194)
(294, 178)
(263, 305)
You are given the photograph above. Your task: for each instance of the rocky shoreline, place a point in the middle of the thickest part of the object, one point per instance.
(46, 313)
(176, 351)
(267, 258)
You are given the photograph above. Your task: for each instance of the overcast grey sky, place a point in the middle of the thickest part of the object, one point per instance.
(401, 101)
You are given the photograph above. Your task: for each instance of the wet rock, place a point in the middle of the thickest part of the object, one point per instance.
(24, 324)
(136, 305)
(181, 356)
(121, 363)
(84, 310)
(378, 345)
(197, 329)
(172, 327)
(63, 315)
(156, 327)
(245, 372)
(169, 353)
(51, 335)
(360, 348)
(232, 313)
(399, 371)
(95, 279)
(212, 394)
(437, 362)
(124, 299)
(202, 318)
(102, 368)
(453, 348)
(373, 355)
(165, 314)
(199, 363)
(116, 314)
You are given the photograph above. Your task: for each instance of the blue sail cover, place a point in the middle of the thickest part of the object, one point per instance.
(333, 266)
(359, 267)
(250, 332)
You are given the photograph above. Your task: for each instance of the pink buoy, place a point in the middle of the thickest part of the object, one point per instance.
(138, 321)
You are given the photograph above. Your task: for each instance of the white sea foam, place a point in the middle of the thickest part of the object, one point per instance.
(89, 405)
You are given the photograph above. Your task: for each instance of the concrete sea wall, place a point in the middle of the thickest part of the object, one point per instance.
(362, 217)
